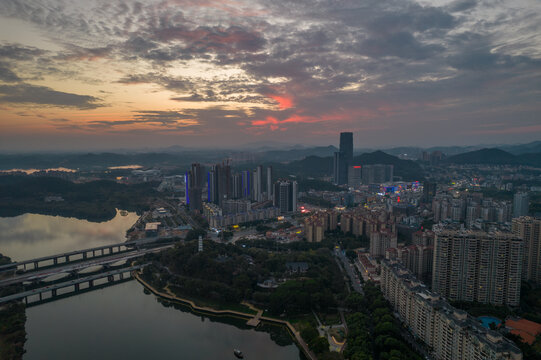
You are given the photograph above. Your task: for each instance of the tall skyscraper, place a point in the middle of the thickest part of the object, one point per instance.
(343, 158)
(478, 266)
(346, 146)
(269, 183)
(336, 167)
(529, 230)
(220, 183)
(285, 196)
(521, 204)
(429, 191)
(212, 182)
(258, 184)
(194, 186)
(247, 184)
(237, 186)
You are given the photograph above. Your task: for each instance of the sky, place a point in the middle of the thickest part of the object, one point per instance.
(105, 74)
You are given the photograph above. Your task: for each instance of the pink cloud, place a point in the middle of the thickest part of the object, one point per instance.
(284, 101)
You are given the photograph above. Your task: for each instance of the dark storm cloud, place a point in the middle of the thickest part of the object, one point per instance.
(31, 94)
(164, 117)
(462, 5)
(18, 52)
(486, 61)
(176, 84)
(7, 75)
(414, 18)
(75, 52)
(400, 44)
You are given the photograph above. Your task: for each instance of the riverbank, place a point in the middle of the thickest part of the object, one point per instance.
(12, 331)
(173, 298)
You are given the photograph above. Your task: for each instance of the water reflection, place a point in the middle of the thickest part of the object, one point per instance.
(31, 235)
(32, 171)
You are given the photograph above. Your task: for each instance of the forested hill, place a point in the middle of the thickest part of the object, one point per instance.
(495, 157)
(93, 201)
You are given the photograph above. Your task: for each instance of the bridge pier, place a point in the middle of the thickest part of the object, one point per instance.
(53, 292)
(110, 278)
(77, 287)
(55, 261)
(84, 255)
(36, 265)
(90, 283)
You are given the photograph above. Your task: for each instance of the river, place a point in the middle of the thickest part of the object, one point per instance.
(121, 322)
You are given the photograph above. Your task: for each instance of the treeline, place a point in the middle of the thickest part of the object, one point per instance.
(12, 331)
(373, 332)
(12, 321)
(332, 238)
(94, 201)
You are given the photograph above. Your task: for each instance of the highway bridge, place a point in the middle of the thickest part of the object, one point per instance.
(50, 292)
(76, 266)
(64, 258)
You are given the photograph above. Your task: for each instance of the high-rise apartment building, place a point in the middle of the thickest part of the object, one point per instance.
(377, 173)
(477, 266)
(449, 332)
(529, 230)
(354, 176)
(521, 204)
(416, 258)
(382, 240)
(285, 195)
(429, 191)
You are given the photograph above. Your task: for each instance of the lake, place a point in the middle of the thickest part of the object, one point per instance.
(121, 321)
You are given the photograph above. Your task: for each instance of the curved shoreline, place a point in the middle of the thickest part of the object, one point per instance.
(231, 313)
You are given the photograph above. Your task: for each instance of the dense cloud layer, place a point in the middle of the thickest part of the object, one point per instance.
(469, 69)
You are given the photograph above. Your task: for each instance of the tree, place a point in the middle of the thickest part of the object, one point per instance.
(319, 345)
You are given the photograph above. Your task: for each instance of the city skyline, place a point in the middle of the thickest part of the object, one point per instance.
(113, 74)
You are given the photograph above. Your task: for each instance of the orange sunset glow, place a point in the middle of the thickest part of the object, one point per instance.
(108, 74)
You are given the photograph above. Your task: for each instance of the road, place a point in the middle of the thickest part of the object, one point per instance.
(350, 270)
(37, 275)
(67, 283)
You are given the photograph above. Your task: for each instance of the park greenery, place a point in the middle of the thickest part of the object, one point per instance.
(229, 274)
(12, 331)
(373, 331)
(12, 321)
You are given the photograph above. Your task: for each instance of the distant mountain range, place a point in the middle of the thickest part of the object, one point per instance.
(496, 157)
(315, 161)
(316, 166)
